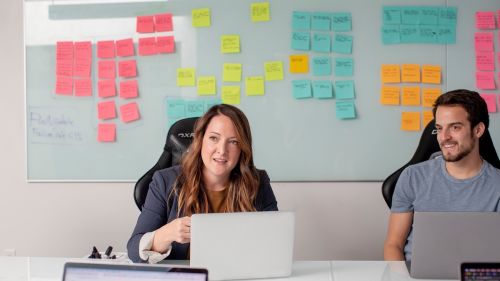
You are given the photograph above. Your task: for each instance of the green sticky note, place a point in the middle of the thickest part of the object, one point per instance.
(342, 44)
(320, 21)
(409, 33)
(429, 15)
(345, 110)
(231, 94)
(206, 85)
(185, 77)
(254, 86)
(410, 15)
(448, 16)
(344, 89)
(195, 108)
(322, 66)
(200, 17)
(321, 42)
(428, 34)
(322, 89)
(301, 20)
(301, 89)
(301, 41)
(273, 70)
(230, 44)
(341, 22)
(344, 67)
(176, 108)
(211, 102)
(231, 72)
(391, 34)
(391, 15)
(446, 34)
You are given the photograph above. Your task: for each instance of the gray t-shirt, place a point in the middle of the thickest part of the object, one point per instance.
(427, 187)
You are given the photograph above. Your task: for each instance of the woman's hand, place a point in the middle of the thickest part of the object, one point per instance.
(178, 230)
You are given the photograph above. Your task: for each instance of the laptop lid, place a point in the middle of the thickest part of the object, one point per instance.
(74, 271)
(243, 245)
(442, 241)
(485, 271)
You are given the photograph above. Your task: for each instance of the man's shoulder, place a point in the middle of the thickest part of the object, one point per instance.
(431, 164)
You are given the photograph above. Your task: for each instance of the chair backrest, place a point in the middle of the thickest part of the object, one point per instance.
(429, 145)
(179, 137)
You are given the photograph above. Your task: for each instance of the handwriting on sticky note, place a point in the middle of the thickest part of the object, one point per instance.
(83, 87)
(483, 41)
(185, 77)
(165, 44)
(129, 112)
(273, 70)
(200, 17)
(195, 108)
(64, 68)
(231, 72)
(125, 47)
(410, 121)
(485, 61)
(321, 42)
(106, 69)
(322, 66)
(431, 74)
(322, 89)
(485, 80)
(341, 22)
(345, 110)
(491, 102)
(106, 49)
(410, 73)
(344, 67)
(145, 24)
(410, 96)
(390, 73)
(344, 89)
(206, 85)
(231, 94)
(301, 89)
(106, 132)
(342, 44)
(64, 86)
(485, 20)
(427, 117)
(106, 110)
(254, 86)
(106, 88)
(147, 46)
(321, 21)
(163, 22)
(83, 50)
(230, 44)
(301, 20)
(127, 68)
(429, 96)
(176, 108)
(82, 68)
(128, 89)
(389, 95)
(260, 11)
(299, 63)
(301, 41)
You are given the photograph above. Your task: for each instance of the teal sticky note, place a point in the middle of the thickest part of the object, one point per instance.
(341, 22)
(410, 15)
(429, 15)
(321, 42)
(301, 20)
(448, 16)
(322, 89)
(391, 15)
(446, 34)
(344, 89)
(301, 41)
(342, 44)
(320, 21)
(409, 33)
(345, 110)
(322, 66)
(391, 34)
(301, 89)
(428, 34)
(176, 108)
(211, 102)
(344, 67)
(195, 108)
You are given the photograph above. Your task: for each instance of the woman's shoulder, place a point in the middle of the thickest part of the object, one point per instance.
(166, 177)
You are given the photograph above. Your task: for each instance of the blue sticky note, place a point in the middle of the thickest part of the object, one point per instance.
(301, 41)
(301, 89)
(448, 16)
(195, 108)
(342, 44)
(341, 22)
(176, 108)
(212, 102)
(410, 15)
(429, 15)
(320, 21)
(344, 89)
(391, 34)
(428, 34)
(301, 20)
(322, 66)
(345, 110)
(321, 42)
(344, 67)
(446, 34)
(391, 15)
(409, 33)
(322, 89)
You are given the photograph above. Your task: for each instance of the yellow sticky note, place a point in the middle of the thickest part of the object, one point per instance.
(410, 121)
(299, 63)
(260, 11)
(185, 77)
(427, 117)
(231, 94)
(390, 73)
(411, 96)
(231, 72)
(431, 74)
(230, 44)
(273, 70)
(206, 85)
(410, 73)
(429, 96)
(254, 86)
(389, 95)
(200, 17)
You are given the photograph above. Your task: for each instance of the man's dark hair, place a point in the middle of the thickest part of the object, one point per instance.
(471, 101)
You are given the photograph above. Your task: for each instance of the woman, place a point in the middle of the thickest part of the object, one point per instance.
(217, 174)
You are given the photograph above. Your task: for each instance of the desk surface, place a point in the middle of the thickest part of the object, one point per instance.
(50, 269)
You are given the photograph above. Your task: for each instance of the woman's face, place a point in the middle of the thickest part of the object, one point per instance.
(220, 150)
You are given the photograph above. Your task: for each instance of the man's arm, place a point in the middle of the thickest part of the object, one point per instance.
(397, 232)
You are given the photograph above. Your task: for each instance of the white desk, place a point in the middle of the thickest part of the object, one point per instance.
(50, 269)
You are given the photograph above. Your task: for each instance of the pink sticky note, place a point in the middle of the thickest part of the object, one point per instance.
(83, 87)
(129, 112)
(106, 49)
(485, 80)
(64, 67)
(106, 110)
(106, 88)
(485, 20)
(83, 50)
(163, 22)
(485, 61)
(165, 44)
(82, 68)
(483, 41)
(125, 48)
(107, 69)
(145, 24)
(64, 86)
(147, 46)
(128, 89)
(127, 68)
(64, 50)
(106, 132)
(491, 102)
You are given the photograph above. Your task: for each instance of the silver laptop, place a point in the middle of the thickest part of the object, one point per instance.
(243, 245)
(443, 241)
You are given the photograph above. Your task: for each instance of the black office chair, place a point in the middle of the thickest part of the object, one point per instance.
(427, 146)
(179, 137)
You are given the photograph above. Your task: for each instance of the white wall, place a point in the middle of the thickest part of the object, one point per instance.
(334, 220)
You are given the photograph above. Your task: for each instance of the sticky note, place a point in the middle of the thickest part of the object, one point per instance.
(301, 89)
(341, 22)
(260, 11)
(128, 89)
(230, 44)
(483, 41)
(200, 17)
(195, 108)
(64, 86)
(410, 73)
(147, 46)
(429, 96)
(106, 49)
(254, 86)
(129, 112)
(106, 110)
(83, 87)
(176, 108)
(410, 96)
(206, 85)
(165, 44)
(491, 102)
(82, 68)
(428, 34)
(163, 22)
(322, 89)
(106, 132)
(64, 67)
(301, 20)
(320, 21)
(485, 61)
(299, 63)
(127, 68)
(231, 72)
(321, 42)
(429, 16)
(64, 50)
(231, 94)
(410, 15)
(389, 95)
(485, 80)
(125, 47)
(342, 44)
(106, 88)
(427, 117)
(409, 33)
(448, 16)
(273, 70)
(431, 74)
(301, 41)
(145, 24)
(391, 34)
(322, 66)
(345, 110)
(410, 121)
(344, 67)
(344, 89)
(83, 50)
(390, 73)
(106, 69)
(446, 34)
(185, 77)
(485, 20)
(391, 15)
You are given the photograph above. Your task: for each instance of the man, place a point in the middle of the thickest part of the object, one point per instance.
(460, 180)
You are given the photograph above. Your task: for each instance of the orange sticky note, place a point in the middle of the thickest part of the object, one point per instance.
(429, 96)
(390, 73)
(106, 110)
(106, 69)
(389, 95)
(106, 132)
(427, 117)
(147, 46)
(83, 87)
(127, 68)
(128, 89)
(410, 121)
(145, 24)
(125, 47)
(165, 44)
(106, 49)
(410, 73)
(106, 88)
(64, 86)
(411, 96)
(163, 22)
(129, 112)
(299, 64)
(431, 74)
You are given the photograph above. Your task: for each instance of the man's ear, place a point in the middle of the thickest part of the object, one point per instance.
(479, 129)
